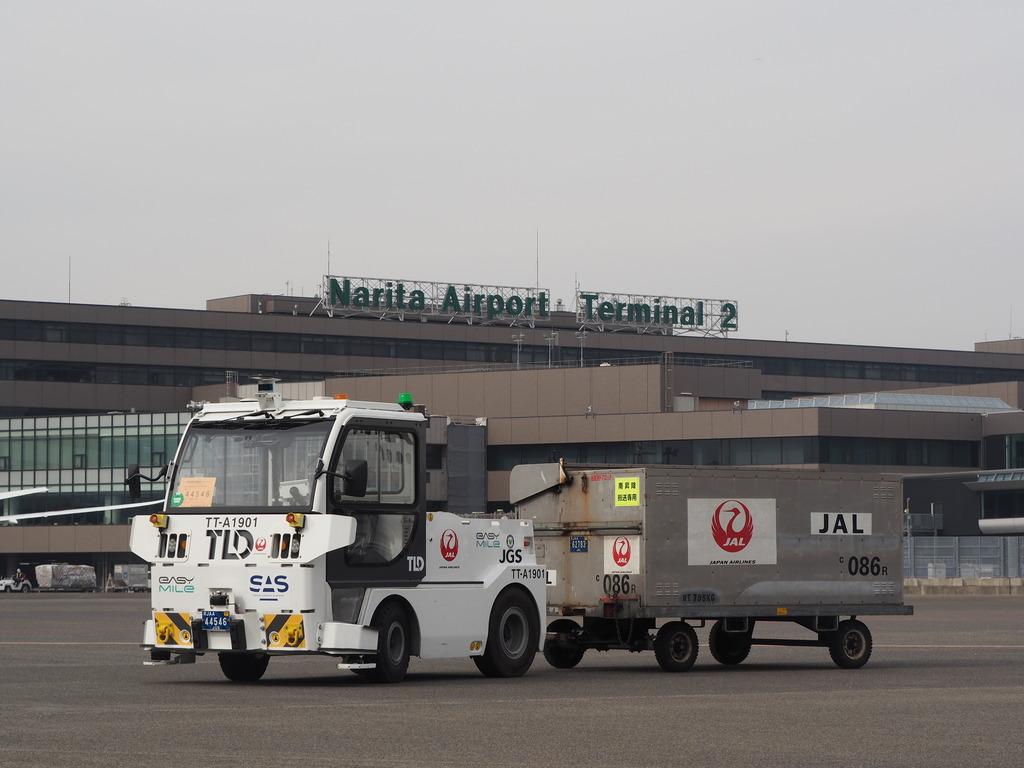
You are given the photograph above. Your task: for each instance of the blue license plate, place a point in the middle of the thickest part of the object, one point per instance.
(216, 621)
(579, 544)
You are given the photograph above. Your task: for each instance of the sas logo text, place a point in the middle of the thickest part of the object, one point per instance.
(274, 585)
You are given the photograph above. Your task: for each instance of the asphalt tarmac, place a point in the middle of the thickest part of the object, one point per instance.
(943, 688)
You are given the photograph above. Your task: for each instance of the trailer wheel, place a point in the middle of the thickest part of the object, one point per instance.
(728, 647)
(675, 646)
(563, 654)
(512, 636)
(243, 667)
(850, 645)
(392, 627)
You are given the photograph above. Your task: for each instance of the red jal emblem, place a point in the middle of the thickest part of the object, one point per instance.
(738, 527)
(621, 551)
(449, 544)
(261, 544)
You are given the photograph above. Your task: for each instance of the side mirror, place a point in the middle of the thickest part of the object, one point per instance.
(134, 482)
(355, 478)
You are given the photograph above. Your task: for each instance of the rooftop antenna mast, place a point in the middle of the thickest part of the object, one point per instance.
(324, 286)
(69, 281)
(538, 259)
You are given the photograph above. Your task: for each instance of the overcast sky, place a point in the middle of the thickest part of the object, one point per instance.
(849, 172)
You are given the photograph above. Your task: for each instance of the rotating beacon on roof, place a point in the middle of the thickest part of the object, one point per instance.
(301, 527)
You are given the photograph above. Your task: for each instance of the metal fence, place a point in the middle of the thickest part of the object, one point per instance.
(967, 557)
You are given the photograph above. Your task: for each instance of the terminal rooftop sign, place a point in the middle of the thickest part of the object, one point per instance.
(656, 313)
(509, 305)
(486, 304)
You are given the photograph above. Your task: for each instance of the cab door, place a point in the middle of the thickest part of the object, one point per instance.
(390, 539)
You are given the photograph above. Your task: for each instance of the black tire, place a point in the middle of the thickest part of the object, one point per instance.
(25, 588)
(243, 667)
(513, 634)
(850, 645)
(563, 654)
(675, 646)
(728, 648)
(393, 643)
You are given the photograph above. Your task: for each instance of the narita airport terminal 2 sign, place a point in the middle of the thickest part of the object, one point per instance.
(505, 304)
(652, 314)
(484, 304)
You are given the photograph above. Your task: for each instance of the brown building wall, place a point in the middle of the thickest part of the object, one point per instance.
(44, 539)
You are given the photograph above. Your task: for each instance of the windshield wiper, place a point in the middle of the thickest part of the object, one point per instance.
(244, 416)
(317, 411)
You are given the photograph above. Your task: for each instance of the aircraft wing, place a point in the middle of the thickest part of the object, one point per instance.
(22, 492)
(81, 511)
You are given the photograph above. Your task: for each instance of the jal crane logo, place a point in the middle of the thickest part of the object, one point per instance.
(732, 525)
(621, 551)
(449, 544)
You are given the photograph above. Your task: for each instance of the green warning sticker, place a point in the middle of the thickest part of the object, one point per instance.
(627, 491)
(177, 500)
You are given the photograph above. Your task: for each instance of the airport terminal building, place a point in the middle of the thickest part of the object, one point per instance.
(509, 376)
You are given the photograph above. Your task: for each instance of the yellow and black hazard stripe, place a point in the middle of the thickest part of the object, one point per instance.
(173, 629)
(284, 630)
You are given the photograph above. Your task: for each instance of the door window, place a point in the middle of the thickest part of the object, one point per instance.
(381, 534)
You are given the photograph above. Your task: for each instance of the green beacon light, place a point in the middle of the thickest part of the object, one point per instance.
(405, 400)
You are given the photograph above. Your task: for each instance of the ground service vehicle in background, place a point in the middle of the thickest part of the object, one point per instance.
(634, 546)
(301, 527)
(14, 584)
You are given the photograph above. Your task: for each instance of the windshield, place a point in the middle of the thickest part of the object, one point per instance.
(251, 464)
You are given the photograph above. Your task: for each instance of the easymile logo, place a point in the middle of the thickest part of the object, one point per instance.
(176, 584)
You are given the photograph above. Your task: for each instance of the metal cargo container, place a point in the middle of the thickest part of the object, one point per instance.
(131, 577)
(634, 545)
(66, 578)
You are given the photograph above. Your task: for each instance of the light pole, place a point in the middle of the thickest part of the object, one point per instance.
(518, 339)
(552, 340)
(581, 334)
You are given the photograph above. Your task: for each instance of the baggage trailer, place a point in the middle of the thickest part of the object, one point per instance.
(635, 547)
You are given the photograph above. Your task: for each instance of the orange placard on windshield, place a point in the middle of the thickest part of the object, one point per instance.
(196, 491)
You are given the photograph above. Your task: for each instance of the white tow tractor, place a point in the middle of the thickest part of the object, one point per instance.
(15, 584)
(301, 527)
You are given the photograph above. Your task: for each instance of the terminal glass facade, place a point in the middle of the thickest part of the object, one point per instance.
(82, 459)
(25, 330)
(865, 451)
(1004, 452)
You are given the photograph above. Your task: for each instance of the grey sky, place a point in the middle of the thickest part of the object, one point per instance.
(851, 172)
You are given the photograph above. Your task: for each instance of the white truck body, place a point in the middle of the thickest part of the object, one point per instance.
(294, 575)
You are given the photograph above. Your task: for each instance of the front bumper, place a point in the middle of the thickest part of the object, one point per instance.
(182, 632)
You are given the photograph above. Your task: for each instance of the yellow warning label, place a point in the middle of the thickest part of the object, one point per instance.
(173, 628)
(284, 630)
(627, 491)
